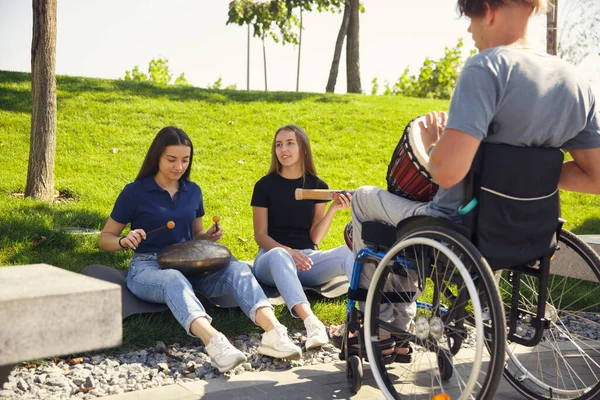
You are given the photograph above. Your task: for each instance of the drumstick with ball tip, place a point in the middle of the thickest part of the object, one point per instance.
(216, 221)
(169, 225)
(320, 194)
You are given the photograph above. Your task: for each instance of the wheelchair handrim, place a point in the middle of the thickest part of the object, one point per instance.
(470, 288)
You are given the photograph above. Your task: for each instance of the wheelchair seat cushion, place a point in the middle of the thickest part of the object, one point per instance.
(384, 236)
(420, 221)
(378, 234)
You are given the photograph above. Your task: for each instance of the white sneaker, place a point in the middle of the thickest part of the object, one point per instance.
(276, 343)
(223, 355)
(315, 332)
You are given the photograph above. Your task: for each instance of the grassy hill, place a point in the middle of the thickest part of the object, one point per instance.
(352, 137)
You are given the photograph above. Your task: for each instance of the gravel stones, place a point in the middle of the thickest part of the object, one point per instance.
(102, 375)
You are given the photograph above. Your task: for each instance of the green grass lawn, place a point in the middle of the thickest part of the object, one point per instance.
(352, 138)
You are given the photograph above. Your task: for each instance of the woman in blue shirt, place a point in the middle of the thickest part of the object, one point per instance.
(163, 192)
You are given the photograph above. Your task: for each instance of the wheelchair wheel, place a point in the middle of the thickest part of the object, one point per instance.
(566, 363)
(458, 318)
(354, 373)
(445, 366)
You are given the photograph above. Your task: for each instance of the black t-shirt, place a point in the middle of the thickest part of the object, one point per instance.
(289, 219)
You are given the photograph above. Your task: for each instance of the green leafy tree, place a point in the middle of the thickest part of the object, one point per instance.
(277, 19)
(375, 86)
(578, 30)
(218, 85)
(135, 75)
(181, 80)
(158, 72)
(436, 79)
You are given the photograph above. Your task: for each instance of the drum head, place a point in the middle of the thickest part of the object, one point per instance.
(416, 142)
(195, 257)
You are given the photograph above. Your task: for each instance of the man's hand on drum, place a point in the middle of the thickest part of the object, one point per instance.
(213, 233)
(430, 133)
(342, 202)
(133, 238)
(303, 262)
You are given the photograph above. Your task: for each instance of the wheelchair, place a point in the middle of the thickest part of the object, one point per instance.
(489, 301)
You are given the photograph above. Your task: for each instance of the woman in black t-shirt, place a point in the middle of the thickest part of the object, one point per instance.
(288, 231)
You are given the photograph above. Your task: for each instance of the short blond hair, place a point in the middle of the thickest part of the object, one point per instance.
(476, 8)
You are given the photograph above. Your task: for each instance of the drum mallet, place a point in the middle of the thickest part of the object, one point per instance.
(216, 221)
(169, 225)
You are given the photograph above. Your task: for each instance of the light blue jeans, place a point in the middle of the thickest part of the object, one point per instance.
(277, 268)
(150, 283)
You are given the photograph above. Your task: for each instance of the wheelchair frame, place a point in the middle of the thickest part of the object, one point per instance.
(539, 270)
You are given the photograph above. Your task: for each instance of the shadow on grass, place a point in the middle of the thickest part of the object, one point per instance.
(68, 86)
(33, 232)
(15, 100)
(590, 226)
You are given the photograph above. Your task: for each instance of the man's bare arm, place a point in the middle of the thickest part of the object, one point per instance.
(582, 174)
(450, 160)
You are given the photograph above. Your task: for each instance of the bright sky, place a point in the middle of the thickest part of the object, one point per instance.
(106, 38)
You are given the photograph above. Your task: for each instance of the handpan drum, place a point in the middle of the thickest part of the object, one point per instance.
(195, 257)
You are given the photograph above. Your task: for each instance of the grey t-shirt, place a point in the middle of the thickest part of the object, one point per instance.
(524, 99)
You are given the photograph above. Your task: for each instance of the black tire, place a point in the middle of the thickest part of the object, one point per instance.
(445, 366)
(566, 364)
(354, 373)
(451, 281)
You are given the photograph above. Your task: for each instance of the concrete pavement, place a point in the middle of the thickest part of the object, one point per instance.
(315, 382)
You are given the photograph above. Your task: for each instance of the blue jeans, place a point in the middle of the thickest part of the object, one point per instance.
(277, 268)
(150, 283)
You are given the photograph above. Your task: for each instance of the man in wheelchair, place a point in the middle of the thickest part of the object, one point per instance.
(497, 155)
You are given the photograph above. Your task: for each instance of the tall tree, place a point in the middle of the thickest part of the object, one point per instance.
(262, 15)
(579, 29)
(551, 28)
(337, 52)
(42, 145)
(277, 19)
(352, 53)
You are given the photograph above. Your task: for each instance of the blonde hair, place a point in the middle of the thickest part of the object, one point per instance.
(306, 158)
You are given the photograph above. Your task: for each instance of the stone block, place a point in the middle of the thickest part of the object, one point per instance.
(46, 311)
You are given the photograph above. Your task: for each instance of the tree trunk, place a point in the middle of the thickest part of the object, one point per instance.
(265, 62)
(335, 64)
(299, 50)
(248, 62)
(42, 145)
(551, 28)
(352, 53)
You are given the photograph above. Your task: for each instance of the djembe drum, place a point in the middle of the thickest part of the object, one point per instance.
(195, 257)
(407, 174)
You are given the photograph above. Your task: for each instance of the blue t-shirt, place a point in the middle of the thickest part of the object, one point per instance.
(525, 99)
(147, 206)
